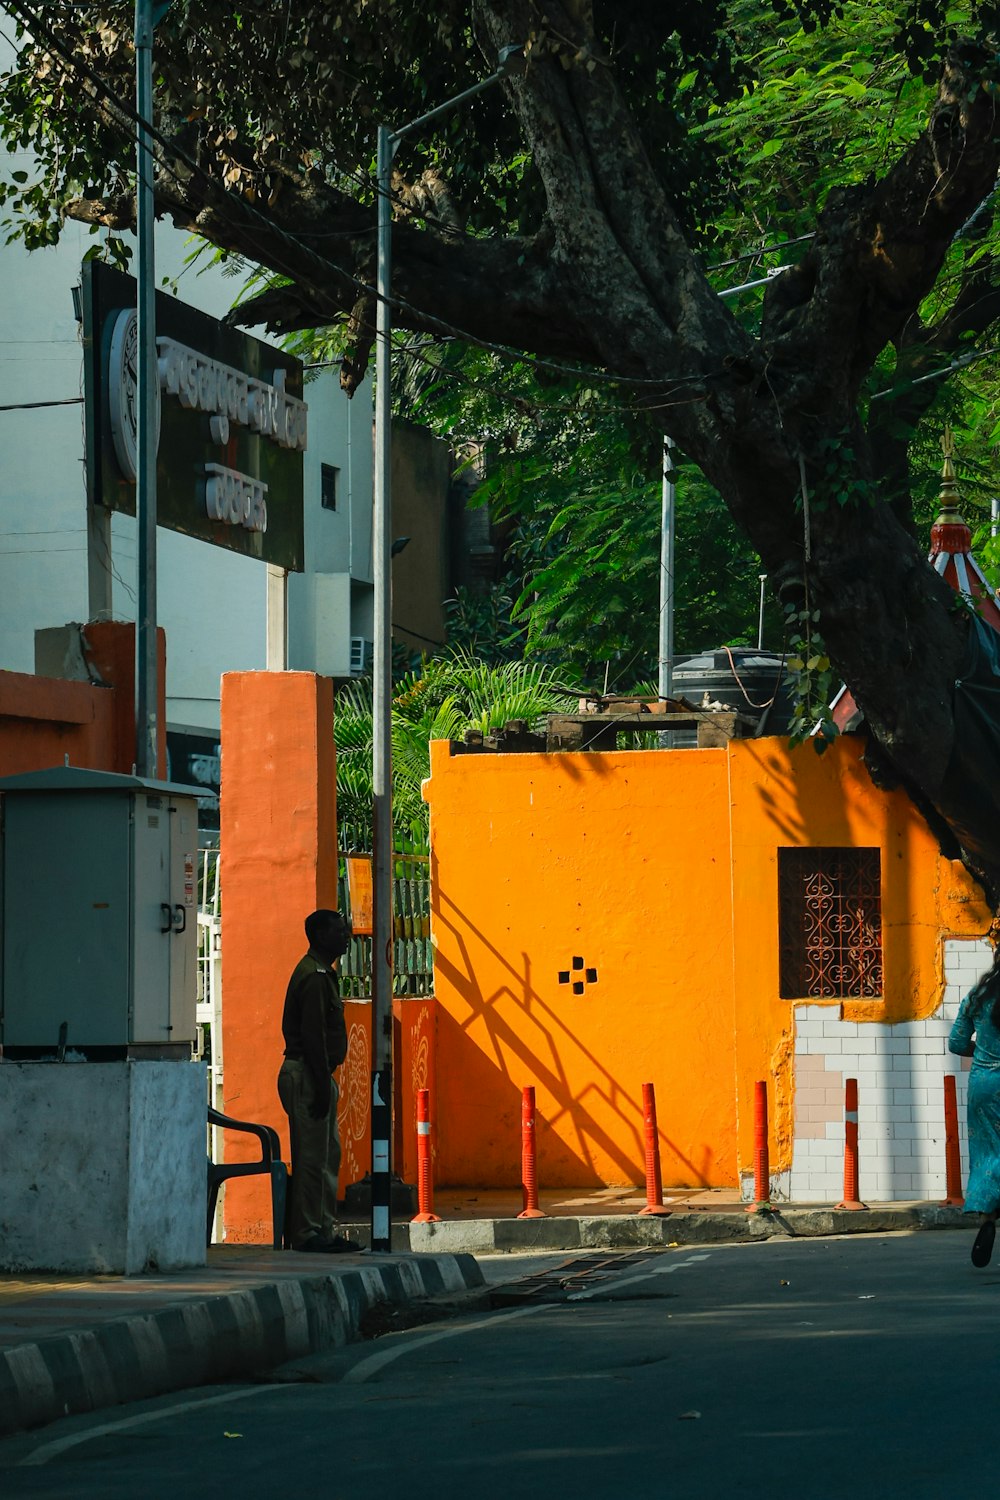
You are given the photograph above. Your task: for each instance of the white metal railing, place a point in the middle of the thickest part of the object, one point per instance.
(208, 1008)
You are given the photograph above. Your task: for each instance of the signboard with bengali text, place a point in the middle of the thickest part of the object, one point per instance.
(232, 423)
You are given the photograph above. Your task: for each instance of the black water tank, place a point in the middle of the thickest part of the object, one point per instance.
(743, 679)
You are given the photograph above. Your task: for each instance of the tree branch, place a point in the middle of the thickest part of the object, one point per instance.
(921, 351)
(880, 246)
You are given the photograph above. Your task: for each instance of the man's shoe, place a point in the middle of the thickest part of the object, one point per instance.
(338, 1245)
(982, 1245)
(317, 1245)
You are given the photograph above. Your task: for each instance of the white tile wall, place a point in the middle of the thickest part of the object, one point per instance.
(900, 1071)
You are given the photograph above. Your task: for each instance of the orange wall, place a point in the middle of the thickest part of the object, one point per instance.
(278, 853)
(659, 868)
(44, 719)
(621, 860)
(782, 797)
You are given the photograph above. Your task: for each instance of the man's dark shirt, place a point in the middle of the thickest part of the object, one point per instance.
(313, 1022)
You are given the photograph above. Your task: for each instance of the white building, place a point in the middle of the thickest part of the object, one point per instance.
(212, 603)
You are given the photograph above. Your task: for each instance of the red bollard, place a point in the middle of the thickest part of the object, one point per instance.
(761, 1161)
(529, 1160)
(425, 1186)
(852, 1194)
(654, 1181)
(952, 1150)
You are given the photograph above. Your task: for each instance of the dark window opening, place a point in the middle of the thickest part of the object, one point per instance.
(830, 923)
(328, 477)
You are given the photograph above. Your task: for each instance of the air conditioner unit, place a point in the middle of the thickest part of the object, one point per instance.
(362, 656)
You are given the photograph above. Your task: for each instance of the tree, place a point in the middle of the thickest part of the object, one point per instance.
(573, 480)
(566, 217)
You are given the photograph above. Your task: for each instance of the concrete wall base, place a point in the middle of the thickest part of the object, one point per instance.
(103, 1166)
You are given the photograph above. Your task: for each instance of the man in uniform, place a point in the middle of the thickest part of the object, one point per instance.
(315, 1045)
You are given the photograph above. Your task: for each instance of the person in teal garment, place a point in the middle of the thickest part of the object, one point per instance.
(976, 1034)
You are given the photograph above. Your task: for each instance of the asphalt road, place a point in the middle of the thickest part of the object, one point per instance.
(854, 1367)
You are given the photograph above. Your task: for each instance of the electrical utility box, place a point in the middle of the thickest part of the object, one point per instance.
(98, 914)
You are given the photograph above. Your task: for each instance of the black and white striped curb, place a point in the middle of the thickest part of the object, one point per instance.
(221, 1336)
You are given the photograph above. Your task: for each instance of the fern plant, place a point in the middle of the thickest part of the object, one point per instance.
(441, 700)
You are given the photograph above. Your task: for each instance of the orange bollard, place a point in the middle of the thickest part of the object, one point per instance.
(654, 1181)
(529, 1160)
(761, 1161)
(852, 1194)
(952, 1150)
(425, 1185)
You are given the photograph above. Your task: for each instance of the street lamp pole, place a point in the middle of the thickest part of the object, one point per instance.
(147, 691)
(668, 533)
(382, 937)
(668, 529)
(381, 1099)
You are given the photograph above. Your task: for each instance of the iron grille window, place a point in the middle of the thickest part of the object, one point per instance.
(830, 923)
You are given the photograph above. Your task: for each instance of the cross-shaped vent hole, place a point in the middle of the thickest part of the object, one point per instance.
(579, 975)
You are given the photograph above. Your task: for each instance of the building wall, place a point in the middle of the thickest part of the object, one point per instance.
(900, 1069)
(659, 869)
(621, 861)
(421, 474)
(90, 720)
(796, 798)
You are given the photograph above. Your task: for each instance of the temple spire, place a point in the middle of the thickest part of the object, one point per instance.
(951, 558)
(949, 532)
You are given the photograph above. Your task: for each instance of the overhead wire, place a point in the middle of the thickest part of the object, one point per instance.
(800, 239)
(36, 405)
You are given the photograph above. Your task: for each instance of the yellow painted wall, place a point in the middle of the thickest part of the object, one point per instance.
(621, 860)
(659, 869)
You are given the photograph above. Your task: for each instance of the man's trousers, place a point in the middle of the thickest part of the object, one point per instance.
(315, 1154)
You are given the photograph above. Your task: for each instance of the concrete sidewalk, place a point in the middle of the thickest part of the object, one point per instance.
(484, 1223)
(72, 1345)
(75, 1345)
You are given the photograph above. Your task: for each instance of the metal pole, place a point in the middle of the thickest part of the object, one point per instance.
(994, 516)
(381, 1119)
(510, 57)
(667, 529)
(147, 692)
(382, 938)
(760, 618)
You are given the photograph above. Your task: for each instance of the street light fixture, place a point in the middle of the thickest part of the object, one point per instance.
(381, 1094)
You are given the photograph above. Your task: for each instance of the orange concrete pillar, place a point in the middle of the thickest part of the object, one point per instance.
(278, 856)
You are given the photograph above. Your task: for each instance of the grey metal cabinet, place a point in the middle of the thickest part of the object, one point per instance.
(98, 914)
